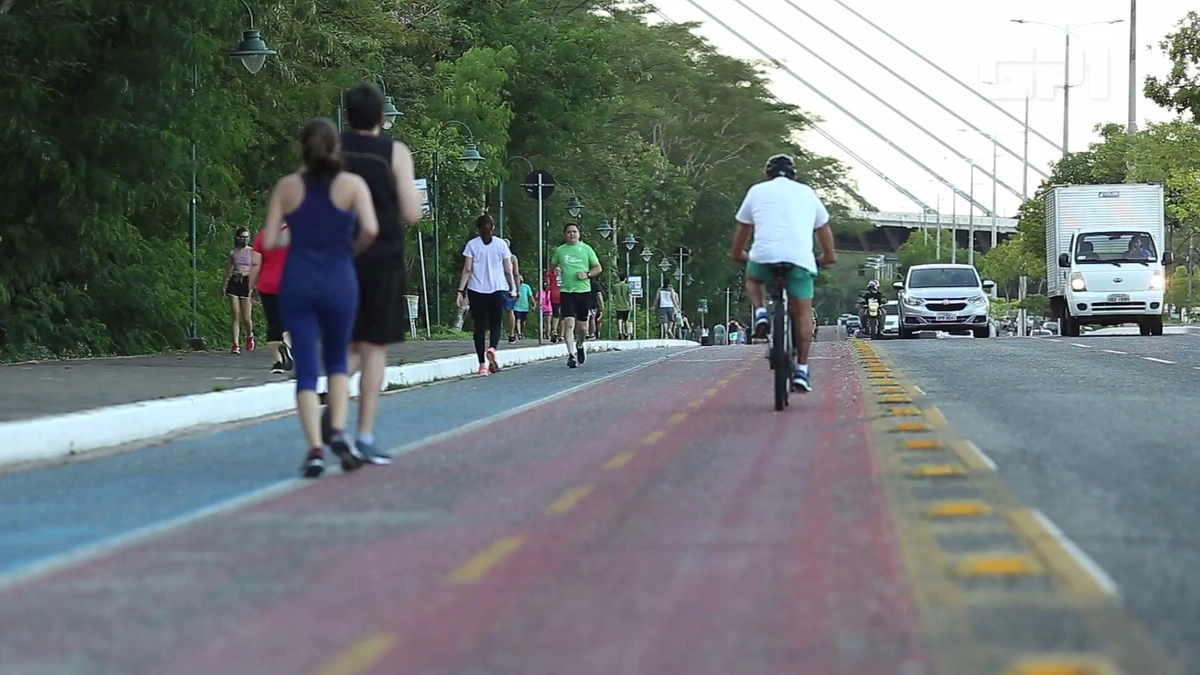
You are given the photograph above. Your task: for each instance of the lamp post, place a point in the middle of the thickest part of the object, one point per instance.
(608, 229)
(471, 160)
(501, 187)
(647, 255)
(1066, 85)
(390, 111)
(252, 51)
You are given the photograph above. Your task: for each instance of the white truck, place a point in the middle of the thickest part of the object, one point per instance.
(1105, 257)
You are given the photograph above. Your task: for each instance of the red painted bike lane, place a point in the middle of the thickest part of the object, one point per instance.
(731, 539)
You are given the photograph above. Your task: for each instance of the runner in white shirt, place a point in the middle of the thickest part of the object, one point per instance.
(487, 277)
(783, 214)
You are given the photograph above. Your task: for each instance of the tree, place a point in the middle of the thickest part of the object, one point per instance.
(1179, 90)
(1008, 262)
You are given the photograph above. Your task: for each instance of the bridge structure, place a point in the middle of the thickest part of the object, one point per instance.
(893, 228)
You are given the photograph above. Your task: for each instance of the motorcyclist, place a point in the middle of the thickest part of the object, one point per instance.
(872, 293)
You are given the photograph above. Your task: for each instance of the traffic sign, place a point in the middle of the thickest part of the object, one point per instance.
(635, 286)
(531, 184)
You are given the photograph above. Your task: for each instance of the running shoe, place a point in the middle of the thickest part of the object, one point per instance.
(285, 356)
(762, 323)
(483, 370)
(800, 381)
(236, 349)
(277, 368)
(571, 362)
(581, 354)
(349, 455)
(492, 364)
(250, 343)
(314, 464)
(372, 454)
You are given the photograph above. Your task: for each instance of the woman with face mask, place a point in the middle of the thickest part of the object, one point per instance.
(237, 288)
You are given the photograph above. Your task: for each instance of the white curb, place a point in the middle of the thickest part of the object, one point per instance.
(57, 436)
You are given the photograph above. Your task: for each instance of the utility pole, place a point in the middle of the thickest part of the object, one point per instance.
(995, 224)
(1067, 93)
(1133, 88)
(971, 220)
(1025, 168)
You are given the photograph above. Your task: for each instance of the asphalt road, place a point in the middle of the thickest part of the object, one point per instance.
(1099, 433)
(663, 520)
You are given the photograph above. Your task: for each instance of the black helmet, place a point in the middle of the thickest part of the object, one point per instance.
(780, 165)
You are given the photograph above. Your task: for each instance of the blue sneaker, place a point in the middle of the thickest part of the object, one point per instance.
(372, 454)
(800, 381)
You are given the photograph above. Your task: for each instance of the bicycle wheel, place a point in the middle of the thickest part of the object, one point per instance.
(779, 354)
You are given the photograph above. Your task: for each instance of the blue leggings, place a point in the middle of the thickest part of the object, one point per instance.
(326, 315)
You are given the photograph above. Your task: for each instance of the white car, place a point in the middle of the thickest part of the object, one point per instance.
(891, 318)
(945, 298)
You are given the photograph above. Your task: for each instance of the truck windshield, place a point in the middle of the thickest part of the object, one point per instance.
(1118, 247)
(943, 277)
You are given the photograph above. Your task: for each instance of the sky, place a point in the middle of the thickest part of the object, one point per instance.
(975, 42)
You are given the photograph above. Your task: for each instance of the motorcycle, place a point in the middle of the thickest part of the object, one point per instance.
(874, 319)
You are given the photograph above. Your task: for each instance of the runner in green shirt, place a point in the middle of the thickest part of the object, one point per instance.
(579, 265)
(622, 304)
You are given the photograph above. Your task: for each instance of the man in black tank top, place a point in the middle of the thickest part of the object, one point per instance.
(387, 167)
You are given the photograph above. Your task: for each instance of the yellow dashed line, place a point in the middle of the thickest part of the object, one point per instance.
(696, 404)
(1063, 665)
(618, 461)
(998, 566)
(359, 657)
(569, 499)
(922, 444)
(677, 418)
(653, 437)
(722, 383)
(909, 427)
(711, 392)
(957, 509)
(481, 563)
(936, 471)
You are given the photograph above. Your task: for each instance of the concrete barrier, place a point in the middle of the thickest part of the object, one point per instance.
(59, 436)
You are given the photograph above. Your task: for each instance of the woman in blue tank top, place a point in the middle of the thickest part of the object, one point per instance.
(318, 294)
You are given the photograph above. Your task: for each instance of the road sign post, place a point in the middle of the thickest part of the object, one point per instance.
(539, 185)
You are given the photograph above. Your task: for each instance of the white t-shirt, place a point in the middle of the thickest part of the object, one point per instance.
(487, 265)
(784, 214)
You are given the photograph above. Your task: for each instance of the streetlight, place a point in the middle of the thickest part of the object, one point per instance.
(1067, 66)
(1025, 152)
(470, 159)
(253, 53)
(605, 228)
(995, 157)
(647, 255)
(253, 50)
(574, 206)
(506, 161)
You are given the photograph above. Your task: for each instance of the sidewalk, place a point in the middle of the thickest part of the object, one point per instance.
(36, 389)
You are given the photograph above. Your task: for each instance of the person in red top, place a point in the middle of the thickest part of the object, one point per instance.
(266, 270)
(555, 302)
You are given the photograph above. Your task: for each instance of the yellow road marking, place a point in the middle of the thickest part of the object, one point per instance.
(909, 427)
(904, 412)
(712, 391)
(359, 657)
(696, 404)
(957, 509)
(677, 418)
(722, 383)
(618, 461)
(896, 399)
(921, 444)
(936, 471)
(653, 436)
(481, 563)
(1067, 664)
(998, 566)
(568, 499)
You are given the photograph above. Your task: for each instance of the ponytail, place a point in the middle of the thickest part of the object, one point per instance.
(321, 149)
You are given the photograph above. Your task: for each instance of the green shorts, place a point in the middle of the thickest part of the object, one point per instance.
(799, 282)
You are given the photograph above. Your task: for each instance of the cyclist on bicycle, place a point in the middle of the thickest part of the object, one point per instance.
(783, 215)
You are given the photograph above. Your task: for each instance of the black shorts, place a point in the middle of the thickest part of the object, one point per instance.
(270, 303)
(382, 308)
(623, 315)
(556, 309)
(237, 287)
(575, 305)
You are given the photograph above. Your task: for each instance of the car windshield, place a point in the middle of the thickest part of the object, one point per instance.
(943, 277)
(1114, 247)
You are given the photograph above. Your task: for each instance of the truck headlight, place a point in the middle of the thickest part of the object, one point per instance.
(1157, 283)
(1077, 283)
(913, 302)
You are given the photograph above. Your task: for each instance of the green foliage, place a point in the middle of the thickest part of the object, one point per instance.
(1180, 89)
(1178, 291)
(1008, 262)
(652, 127)
(917, 251)
(1035, 304)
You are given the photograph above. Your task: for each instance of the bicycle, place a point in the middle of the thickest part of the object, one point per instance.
(781, 335)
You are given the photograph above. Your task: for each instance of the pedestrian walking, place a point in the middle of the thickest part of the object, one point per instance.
(487, 278)
(237, 289)
(330, 216)
(266, 271)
